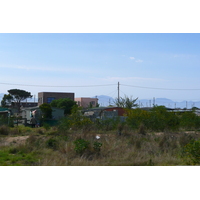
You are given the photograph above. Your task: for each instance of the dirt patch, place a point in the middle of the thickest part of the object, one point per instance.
(159, 133)
(13, 140)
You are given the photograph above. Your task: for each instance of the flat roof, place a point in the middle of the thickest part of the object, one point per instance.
(58, 92)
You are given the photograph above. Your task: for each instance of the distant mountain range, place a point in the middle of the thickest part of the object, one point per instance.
(107, 100)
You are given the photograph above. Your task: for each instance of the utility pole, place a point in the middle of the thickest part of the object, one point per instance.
(118, 91)
(154, 101)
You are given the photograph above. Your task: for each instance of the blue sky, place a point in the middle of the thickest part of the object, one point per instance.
(151, 60)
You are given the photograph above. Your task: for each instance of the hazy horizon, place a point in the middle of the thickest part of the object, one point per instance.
(146, 65)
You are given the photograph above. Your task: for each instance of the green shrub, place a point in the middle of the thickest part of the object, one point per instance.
(46, 126)
(17, 156)
(158, 119)
(52, 143)
(81, 145)
(189, 120)
(46, 110)
(4, 130)
(108, 124)
(97, 146)
(142, 129)
(136, 117)
(192, 150)
(64, 125)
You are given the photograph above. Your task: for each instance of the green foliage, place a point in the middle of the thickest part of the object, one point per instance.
(158, 119)
(78, 121)
(189, 120)
(4, 130)
(126, 102)
(19, 95)
(136, 117)
(161, 119)
(90, 105)
(97, 105)
(46, 110)
(81, 145)
(64, 125)
(108, 124)
(6, 100)
(17, 156)
(52, 143)
(4, 120)
(192, 150)
(97, 146)
(46, 126)
(11, 122)
(16, 96)
(64, 103)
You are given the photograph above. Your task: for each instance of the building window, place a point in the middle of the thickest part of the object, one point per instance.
(92, 102)
(50, 99)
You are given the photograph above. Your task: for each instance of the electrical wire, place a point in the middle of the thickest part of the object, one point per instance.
(144, 87)
(57, 85)
(155, 88)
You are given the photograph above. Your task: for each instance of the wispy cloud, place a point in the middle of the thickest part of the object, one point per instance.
(139, 61)
(49, 69)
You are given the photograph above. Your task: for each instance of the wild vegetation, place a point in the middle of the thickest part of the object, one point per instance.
(155, 138)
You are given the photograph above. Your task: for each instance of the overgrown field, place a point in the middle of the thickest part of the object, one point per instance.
(144, 139)
(42, 147)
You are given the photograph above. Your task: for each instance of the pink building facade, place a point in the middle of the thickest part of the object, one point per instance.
(86, 102)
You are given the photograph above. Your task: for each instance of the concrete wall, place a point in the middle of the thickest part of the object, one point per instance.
(85, 101)
(43, 97)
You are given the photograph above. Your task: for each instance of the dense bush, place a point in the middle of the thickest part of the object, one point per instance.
(189, 120)
(108, 124)
(46, 110)
(4, 130)
(65, 103)
(193, 151)
(81, 145)
(52, 143)
(159, 119)
(75, 121)
(97, 146)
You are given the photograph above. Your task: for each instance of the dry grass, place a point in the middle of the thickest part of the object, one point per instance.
(131, 148)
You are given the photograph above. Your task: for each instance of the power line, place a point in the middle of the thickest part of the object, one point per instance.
(111, 93)
(56, 86)
(156, 88)
(122, 92)
(144, 87)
